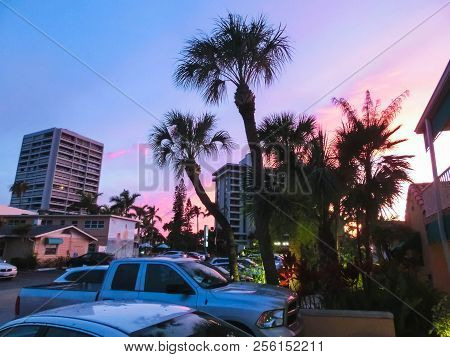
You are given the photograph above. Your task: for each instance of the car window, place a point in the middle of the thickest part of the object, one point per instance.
(93, 276)
(158, 279)
(21, 331)
(195, 324)
(73, 276)
(125, 277)
(64, 332)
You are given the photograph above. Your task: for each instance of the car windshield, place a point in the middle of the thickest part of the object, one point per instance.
(195, 324)
(204, 274)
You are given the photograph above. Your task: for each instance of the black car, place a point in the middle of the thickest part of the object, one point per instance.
(90, 259)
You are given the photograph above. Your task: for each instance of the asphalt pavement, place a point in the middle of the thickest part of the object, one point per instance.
(10, 288)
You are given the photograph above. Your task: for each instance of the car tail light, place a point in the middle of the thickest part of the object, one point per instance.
(17, 307)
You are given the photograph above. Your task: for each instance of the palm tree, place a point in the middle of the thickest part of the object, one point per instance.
(374, 179)
(87, 203)
(181, 141)
(147, 216)
(243, 53)
(285, 138)
(323, 178)
(196, 212)
(18, 189)
(124, 202)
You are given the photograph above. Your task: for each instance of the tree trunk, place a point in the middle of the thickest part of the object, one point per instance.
(193, 174)
(245, 102)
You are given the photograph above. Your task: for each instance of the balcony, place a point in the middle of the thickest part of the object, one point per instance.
(429, 197)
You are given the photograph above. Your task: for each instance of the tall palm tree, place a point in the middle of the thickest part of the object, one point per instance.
(124, 202)
(18, 189)
(181, 141)
(87, 203)
(242, 53)
(374, 178)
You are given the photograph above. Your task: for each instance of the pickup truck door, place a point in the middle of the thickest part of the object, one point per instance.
(122, 283)
(163, 283)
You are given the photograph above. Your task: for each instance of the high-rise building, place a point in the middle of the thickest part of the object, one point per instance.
(57, 164)
(229, 181)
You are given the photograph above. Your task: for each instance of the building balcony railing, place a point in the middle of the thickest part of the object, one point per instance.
(429, 197)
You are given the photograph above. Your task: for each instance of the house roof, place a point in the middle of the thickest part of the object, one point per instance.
(437, 109)
(40, 231)
(13, 211)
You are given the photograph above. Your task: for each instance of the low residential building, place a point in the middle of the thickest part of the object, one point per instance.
(114, 234)
(44, 242)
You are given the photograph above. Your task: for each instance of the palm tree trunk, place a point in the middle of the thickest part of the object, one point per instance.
(221, 219)
(245, 102)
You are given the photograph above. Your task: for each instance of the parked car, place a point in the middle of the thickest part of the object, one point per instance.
(96, 258)
(195, 255)
(241, 268)
(7, 271)
(86, 274)
(120, 319)
(261, 310)
(246, 262)
(173, 254)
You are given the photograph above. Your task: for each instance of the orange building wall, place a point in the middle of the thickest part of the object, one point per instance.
(72, 242)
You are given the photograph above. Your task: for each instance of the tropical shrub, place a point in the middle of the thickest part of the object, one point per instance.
(441, 317)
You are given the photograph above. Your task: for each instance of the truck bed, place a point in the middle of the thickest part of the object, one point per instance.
(48, 296)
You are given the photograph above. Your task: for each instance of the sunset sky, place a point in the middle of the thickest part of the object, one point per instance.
(341, 49)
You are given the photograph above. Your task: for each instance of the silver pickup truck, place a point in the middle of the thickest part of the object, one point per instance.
(260, 310)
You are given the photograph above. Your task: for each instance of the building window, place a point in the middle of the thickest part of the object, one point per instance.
(94, 224)
(51, 249)
(47, 222)
(75, 223)
(63, 222)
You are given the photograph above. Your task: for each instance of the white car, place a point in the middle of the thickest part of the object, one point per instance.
(87, 274)
(7, 271)
(173, 254)
(246, 262)
(120, 319)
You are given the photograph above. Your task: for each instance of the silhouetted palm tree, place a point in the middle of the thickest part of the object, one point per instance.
(18, 189)
(196, 212)
(326, 192)
(243, 53)
(181, 141)
(373, 179)
(87, 203)
(124, 202)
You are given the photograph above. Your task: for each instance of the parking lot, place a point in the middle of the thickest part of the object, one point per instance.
(10, 288)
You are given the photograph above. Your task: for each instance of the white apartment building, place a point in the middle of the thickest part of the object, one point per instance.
(229, 181)
(57, 164)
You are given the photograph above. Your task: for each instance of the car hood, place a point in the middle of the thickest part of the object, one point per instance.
(274, 296)
(6, 266)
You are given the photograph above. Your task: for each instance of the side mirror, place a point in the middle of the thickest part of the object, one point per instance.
(178, 289)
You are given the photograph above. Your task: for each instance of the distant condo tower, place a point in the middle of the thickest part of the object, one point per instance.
(57, 164)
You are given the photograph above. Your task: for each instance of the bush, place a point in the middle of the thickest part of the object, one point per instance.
(29, 262)
(441, 317)
(58, 262)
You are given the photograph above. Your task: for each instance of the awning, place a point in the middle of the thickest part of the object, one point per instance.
(53, 240)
